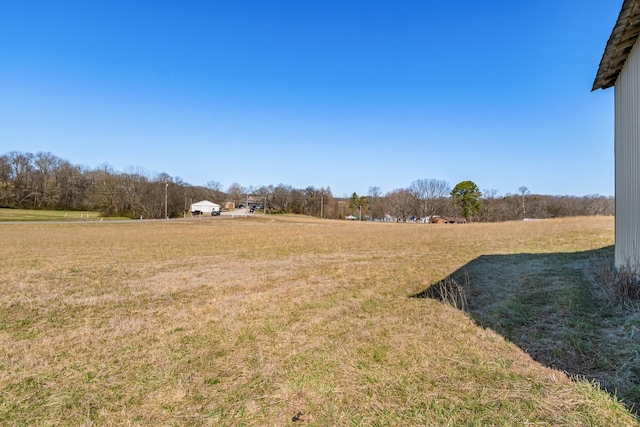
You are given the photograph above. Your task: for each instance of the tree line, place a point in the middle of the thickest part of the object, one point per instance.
(44, 181)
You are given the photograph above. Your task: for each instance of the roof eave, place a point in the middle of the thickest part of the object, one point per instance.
(623, 38)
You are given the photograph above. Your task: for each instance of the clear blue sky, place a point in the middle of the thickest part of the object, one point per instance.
(341, 94)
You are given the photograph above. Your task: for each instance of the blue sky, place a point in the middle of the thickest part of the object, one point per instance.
(340, 94)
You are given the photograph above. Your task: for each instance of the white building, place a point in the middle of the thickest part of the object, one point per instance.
(620, 67)
(204, 207)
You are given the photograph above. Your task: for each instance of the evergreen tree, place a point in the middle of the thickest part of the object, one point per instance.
(357, 202)
(466, 194)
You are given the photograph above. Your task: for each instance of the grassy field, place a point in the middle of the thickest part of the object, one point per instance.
(291, 321)
(7, 214)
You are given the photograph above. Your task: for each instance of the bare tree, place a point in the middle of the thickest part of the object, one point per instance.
(401, 203)
(376, 202)
(263, 194)
(214, 185)
(430, 194)
(329, 204)
(312, 201)
(21, 167)
(511, 207)
(596, 204)
(72, 184)
(43, 183)
(6, 181)
(490, 206)
(297, 201)
(133, 188)
(281, 198)
(237, 193)
(523, 192)
(105, 191)
(375, 193)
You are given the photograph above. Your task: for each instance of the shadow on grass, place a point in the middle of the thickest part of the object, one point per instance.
(550, 306)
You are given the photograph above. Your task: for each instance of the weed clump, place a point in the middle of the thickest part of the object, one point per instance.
(623, 285)
(449, 291)
(626, 285)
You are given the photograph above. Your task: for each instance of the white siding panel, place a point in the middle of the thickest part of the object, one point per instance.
(627, 158)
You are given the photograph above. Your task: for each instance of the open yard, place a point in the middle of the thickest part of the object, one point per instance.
(285, 321)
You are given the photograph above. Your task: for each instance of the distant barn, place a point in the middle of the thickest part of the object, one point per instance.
(204, 207)
(620, 68)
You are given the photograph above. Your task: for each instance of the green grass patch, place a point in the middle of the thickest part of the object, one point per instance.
(8, 214)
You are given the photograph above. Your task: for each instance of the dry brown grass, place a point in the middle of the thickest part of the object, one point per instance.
(273, 321)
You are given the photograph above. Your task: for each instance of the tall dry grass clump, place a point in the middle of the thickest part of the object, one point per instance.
(622, 284)
(626, 284)
(449, 291)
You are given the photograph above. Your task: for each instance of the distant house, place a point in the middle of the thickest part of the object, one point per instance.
(204, 207)
(620, 67)
(448, 220)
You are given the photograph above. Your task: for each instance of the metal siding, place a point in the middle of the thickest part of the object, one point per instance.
(627, 158)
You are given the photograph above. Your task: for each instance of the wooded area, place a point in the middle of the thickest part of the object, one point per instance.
(44, 181)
